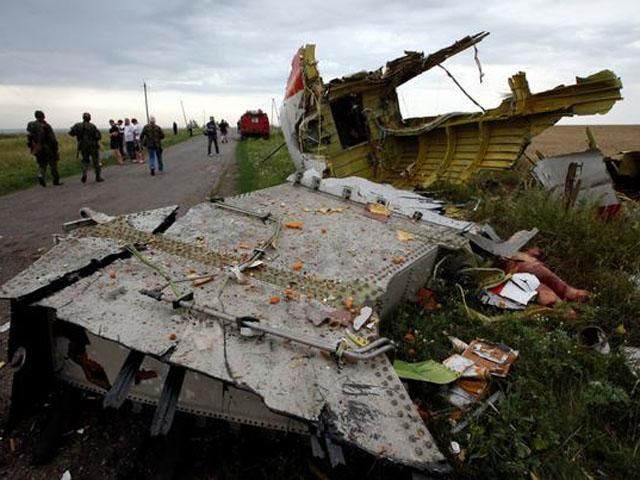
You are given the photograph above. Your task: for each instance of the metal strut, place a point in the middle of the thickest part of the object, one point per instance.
(166, 410)
(375, 348)
(120, 388)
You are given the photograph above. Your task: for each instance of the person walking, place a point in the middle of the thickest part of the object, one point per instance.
(88, 137)
(43, 144)
(224, 130)
(175, 128)
(151, 137)
(114, 141)
(212, 135)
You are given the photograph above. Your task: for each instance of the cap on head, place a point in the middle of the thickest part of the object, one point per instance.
(86, 116)
(211, 118)
(39, 114)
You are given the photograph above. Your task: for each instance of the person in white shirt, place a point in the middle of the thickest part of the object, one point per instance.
(129, 139)
(137, 130)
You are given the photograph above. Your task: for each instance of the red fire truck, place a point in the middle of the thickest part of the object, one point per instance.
(253, 123)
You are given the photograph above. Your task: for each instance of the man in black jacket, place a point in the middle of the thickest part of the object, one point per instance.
(212, 134)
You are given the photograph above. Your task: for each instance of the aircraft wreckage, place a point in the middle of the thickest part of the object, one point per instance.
(353, 125)
(265, 308)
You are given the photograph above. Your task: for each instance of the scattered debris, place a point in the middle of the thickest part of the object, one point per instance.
(404, 236)
(593, 337)
(632, 359)
(274, 300)
(5, 327)
(578, 177)
(514, 294)
(398, 259)
(295, 225)
(66, 475)
(198, 282)
(488, 240)
(2, 364)
(496, 357)
(297, 266)
(362, 317)
(426, 371)
(378, 209)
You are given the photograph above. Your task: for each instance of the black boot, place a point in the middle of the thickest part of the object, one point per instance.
(56, 181)
(83, 179)
(41, 181)
(99, 178)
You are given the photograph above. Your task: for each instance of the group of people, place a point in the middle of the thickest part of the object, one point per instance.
(211, 131)
(42, 142)
(127, 133)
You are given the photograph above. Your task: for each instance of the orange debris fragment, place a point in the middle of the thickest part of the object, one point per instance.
(295, 225)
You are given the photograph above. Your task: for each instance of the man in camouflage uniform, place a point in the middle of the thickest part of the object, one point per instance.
(44, 146)
(151, 137)
(88, 137)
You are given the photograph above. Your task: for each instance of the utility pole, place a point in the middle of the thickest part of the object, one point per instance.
(274, 112)
(146, 101)
(184, 115)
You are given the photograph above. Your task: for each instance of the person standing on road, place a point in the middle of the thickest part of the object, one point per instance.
(88, 137)
(121, 138)
(114, 141)
(44, 146)
(151, 137)
(175, 128)
(129, 139)
(137, 131)
(224, 129)
(212, 135)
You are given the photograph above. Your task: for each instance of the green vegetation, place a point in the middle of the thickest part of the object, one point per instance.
(567, 412)
(254, 173)
(18, 168)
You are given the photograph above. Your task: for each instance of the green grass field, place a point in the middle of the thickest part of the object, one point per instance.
(255, 173)
(568, 412)
(18, 168)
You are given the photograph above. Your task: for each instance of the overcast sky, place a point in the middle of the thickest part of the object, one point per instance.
(223, 57)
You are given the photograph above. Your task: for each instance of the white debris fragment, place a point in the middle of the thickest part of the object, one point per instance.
(361, 319)
(66, 475)
(5, 327)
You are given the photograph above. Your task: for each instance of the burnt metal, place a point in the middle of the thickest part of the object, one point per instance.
(127, 375)
(166, 409)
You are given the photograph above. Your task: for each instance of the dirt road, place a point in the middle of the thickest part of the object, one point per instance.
(30, 217)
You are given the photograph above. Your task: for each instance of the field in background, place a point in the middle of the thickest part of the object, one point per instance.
(18, 168)
(572, 138)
